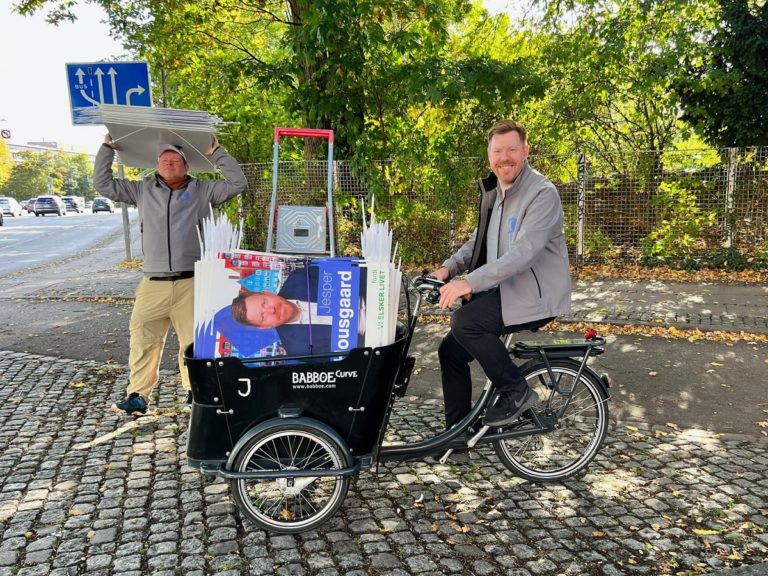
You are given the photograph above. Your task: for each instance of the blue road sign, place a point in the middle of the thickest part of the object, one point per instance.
(120, 83)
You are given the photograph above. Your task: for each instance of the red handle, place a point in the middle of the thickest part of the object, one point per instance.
(305, 133)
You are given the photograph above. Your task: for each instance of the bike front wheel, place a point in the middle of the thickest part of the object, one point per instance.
(578, 410)
(290, 505)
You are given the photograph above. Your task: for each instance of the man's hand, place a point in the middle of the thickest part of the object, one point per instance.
(442, 274)
(109, 142)
(452, 291)
(214, 144)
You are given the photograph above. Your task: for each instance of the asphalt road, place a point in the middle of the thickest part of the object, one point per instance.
(30, 241)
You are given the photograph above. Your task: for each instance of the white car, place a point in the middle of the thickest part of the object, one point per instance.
(10, 206)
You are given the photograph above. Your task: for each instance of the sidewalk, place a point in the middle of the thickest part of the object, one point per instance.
(707, 306)
(83, 491)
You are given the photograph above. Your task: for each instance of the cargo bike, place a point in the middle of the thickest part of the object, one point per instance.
(289, 437)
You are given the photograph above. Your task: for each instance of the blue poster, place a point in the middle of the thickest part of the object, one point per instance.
(338, 297)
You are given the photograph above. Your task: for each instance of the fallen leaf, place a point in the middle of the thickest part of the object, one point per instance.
(598, 533)
(704, 532)
(716, 364)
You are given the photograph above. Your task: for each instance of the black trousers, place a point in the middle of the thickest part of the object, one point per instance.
(475, 333)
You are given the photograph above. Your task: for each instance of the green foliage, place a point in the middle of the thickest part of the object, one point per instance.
(6, 163)
(723, 259)
(400, 79)
(76, 174)
(29, 177)
(69, 174)
(681, 224)
(422, 228)
(723, 85)
(597, 245)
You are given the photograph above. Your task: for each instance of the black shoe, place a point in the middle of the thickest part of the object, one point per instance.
(509, 407)
(186, 408)
(134, 402)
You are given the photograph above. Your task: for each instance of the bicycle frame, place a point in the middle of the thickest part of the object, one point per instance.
(447, 439)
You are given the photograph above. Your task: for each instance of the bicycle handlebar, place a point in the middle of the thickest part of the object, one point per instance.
(429, 287)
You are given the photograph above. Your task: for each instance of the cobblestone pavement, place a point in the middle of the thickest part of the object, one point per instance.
(83, 491)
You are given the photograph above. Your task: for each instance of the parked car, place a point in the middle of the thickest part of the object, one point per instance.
(30, 206)
(1, 217)
(74, 203)
(102, 205)
(49, 205)
(10, 207)
(89, 204)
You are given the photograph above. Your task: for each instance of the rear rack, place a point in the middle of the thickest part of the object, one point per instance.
(560, 349)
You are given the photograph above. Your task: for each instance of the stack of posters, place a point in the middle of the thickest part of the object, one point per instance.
(255, 305)
(252, 304)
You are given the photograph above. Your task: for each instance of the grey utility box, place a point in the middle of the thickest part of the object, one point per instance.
(301, 229)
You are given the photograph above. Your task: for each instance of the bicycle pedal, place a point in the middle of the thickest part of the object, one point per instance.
(476, 438)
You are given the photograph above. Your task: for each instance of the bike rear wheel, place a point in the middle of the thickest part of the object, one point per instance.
(579, 430)
(290, 505)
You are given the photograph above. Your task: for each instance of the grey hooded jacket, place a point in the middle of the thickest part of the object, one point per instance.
(169, 218)
(532, 270)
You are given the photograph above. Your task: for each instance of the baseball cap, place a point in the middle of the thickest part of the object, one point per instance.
(171, 148)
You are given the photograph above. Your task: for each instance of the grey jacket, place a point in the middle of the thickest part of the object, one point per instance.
(169, 218)
(532, 270)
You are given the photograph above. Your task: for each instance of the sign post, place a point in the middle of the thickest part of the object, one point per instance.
(118, 83)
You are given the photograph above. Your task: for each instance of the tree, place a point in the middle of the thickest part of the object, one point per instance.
(368, 69)
(6, 163)
(29, 176)
(724, 86)
(611, 67)
(68, 175)
(76, 174)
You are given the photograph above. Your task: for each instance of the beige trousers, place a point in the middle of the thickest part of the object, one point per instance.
(157, 306)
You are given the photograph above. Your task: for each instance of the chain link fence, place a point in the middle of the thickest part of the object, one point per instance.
(668, 207)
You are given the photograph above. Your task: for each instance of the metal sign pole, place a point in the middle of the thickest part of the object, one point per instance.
(126, 223)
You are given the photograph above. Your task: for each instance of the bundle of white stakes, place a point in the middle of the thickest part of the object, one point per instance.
(376, 239)
(147, 117)
(218, 235)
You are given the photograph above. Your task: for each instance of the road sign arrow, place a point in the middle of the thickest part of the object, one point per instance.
(99, 75)
(88, 98)
(79, 75)
(138, 90)
(112, 73)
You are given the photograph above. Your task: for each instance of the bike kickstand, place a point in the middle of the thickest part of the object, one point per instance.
(444, 458)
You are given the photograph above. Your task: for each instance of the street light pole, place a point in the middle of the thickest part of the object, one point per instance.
(126, 223)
